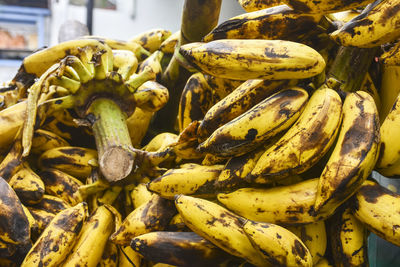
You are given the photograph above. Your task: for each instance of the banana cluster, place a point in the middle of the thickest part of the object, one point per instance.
(283, 115)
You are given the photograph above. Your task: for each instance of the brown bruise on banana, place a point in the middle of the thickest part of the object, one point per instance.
(14, 225)
(280, 22)
(221, 87)
(29, 191)
(179, 248)
(43, 218)
(51, 204)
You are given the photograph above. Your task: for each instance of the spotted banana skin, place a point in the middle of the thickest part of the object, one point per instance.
(179, 248)
(378, 209)
(244, 97)
(152, 39)
(57, 239)
(374, 27)
(218, 225)
(305, 143)
(254, 59)
(355, 153)
(263, 121)
(275, 23)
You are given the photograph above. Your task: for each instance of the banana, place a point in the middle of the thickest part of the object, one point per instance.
(75, 161)
(378, 209)
(42, 218)
(11, 120)
(134, 47)
(392, 171)
(33, 225)
(62, 185)
(254, 59)
(160, 142)
(27, 185)
(244, 97)
(151, 216)
(368, 86)
(292, 204)
(389, 149)
(125, 63)
(221, 87)
(189, 179)
(154, 63)
(45, 140)
(12, 162)
(178, 249)
(15, 228)
(94, 234)
(168, 45)
(219, 226)
(140, 195)
(323, 262)
(355, 153)
(51, 204)
(254, 5)
(388, 89)
(110, 195)
(151, 96)
(266, 119)
(196, 99)
(110, 257)
(348, 239)
(152, 39)
(128, 257)
(138, 124)
(278, 245)
(7, 250)
(177, 224)
(314, 236)
(274, 23)
(212, 159)
(372, 28)
(305, 142)
(58, 238)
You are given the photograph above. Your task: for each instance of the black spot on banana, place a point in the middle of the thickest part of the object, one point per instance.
(249, 130)
(247, 59)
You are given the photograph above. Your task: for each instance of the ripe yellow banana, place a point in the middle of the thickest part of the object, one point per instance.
(378, 208)
(244, 97)
(128, 257)
(348, 239)
(152, 39)
(374, 27)
(154, 63)
(292, 204)
(110, 256)
(138, 124)
(94, 234)
(189, 179)
(355, 153)
(196, 99)
(151, 96)
(151, 216)
(314, 236)
(76, 161)
(27, 185)
(45, 140)
(274, 23)
(168, 45)
(125, 63)
(178, 249)
(279, 246)
(160, 142)
(305, 142)
(140, 195)
(368, 86)
(15, 228)
(389, 89)
(52, 204)
(58, 238)
(263, 121)
(219, 226)
(11, 120)
(254, 59)
(62, 185)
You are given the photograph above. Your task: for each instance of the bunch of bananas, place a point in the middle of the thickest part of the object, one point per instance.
(285, 113)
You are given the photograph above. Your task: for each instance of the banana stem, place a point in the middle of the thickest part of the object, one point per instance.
(115, 151)
(349, 68)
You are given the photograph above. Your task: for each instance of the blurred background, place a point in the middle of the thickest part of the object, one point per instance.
(27, 25)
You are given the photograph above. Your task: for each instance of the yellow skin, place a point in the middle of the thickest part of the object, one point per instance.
(349, 240)
(168, 45)
(263, 121)
(254, 59)
(52, 204)
(274, 23)
(153, 215)
(152, 39)
(292, 204)
(151, 96)
(189, 179)
(245, 96)
(221, 87)
(355, 153)
(58, 238)
(305, 142)
(45, 140)
(128, 257)
(378, 209)
(375, 28)
(278, 245)
(218, 225)
(389, 89)
(369, 87)
(160, 142)
(94, 234)
(110, 257)
(313, 236)
(42, 218)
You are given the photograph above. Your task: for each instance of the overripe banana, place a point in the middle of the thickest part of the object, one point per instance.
(45, 140)
(51, 204)
(152, 39)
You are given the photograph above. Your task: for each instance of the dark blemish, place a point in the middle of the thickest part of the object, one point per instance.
(73, 151)
(251, 134)
(298, 249)
(278, 236)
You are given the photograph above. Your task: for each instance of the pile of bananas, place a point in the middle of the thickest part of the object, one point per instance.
(284, 114)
